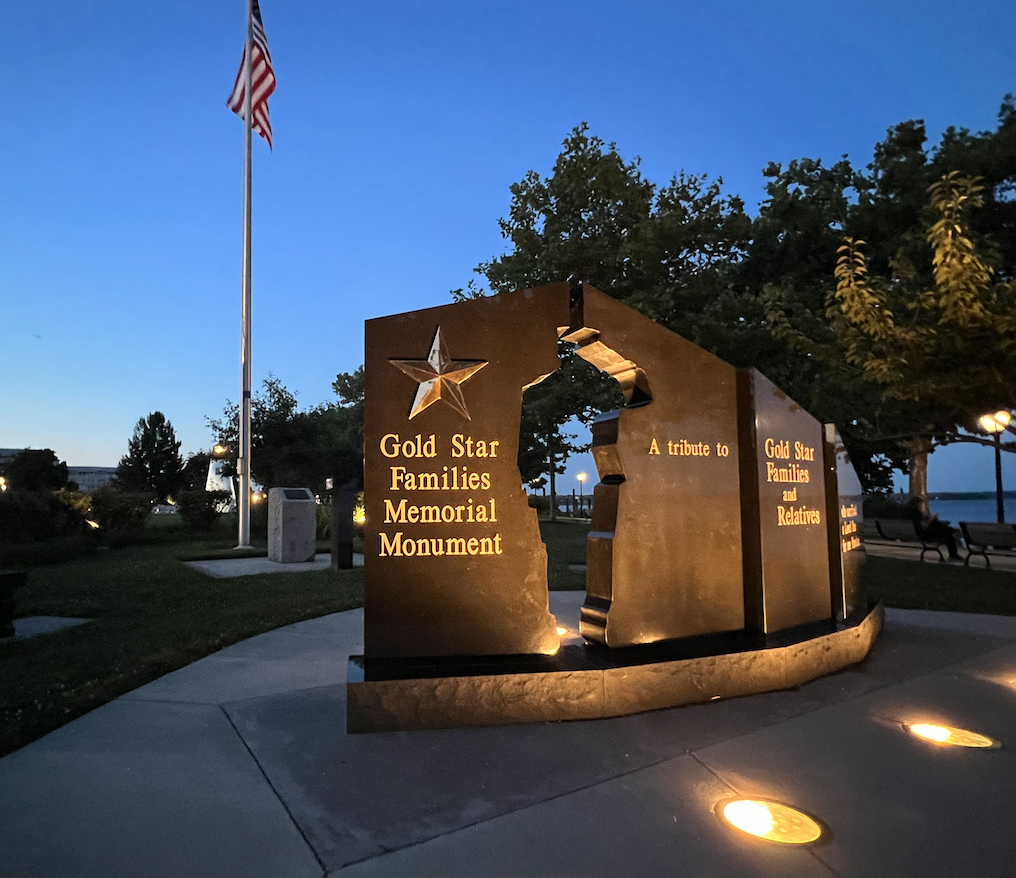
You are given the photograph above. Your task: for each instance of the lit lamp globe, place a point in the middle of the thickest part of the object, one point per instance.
(582, 480)
(996, 424)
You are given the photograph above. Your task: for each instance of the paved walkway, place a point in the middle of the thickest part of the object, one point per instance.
(239, 765)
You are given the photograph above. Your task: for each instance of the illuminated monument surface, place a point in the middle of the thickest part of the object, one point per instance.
(722, 557)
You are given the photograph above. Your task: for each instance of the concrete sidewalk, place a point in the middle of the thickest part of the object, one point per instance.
(239, 765)
(226, 568)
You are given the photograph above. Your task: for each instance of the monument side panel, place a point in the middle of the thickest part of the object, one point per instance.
(844, 502)
(670, 463)
(454, 561)
(793, 538)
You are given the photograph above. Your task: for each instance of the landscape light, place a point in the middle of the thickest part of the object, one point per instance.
(561, 631)
(770, 821)
(950, 736)
(3, 484)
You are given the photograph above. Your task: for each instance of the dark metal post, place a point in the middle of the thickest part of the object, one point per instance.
(999, 499)
(343, 531)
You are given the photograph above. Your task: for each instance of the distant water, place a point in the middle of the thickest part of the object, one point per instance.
(955, 511)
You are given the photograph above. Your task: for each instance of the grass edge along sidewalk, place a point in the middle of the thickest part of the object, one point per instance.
(151, 615)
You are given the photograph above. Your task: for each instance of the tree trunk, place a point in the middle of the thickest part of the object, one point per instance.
(553, 491)
(918, 449)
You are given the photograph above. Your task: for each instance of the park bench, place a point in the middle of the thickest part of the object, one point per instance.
(980, 537)
(904, 531)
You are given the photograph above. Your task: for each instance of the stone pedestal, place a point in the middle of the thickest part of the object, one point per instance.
(292, 523)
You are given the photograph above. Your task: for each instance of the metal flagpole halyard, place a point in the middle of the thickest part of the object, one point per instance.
(243, 459)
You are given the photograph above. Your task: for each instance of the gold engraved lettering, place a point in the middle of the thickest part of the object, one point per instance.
(456, 478)
(391, 446)
(684, 448)
(776, 449)
(467, 446)
(398, 546)
(795, 515)
(793, 473)
(803, 452)
(654, 448)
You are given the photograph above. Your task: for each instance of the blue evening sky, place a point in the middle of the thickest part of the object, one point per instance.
(399, 127)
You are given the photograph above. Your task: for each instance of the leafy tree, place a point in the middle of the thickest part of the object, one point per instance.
(293, 447)
(194, 474)
(949, 350)
(789, 271)
(36, 470)
(152, 464)
(664, 251)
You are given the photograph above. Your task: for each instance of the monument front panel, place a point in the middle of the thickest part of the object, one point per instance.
(454, 561)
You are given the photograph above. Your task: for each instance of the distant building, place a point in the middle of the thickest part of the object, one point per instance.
(91, 478)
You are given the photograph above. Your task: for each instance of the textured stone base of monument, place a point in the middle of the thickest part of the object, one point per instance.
(589, 682)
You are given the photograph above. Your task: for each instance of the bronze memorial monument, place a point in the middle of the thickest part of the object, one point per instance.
(722, 557)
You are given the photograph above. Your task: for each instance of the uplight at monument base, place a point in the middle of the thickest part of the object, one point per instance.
(770, 821)
(951, 737)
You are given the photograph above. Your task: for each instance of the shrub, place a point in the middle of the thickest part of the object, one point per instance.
(540, 504)
(259, 519)
(24, 517)
(120, 510)
(200, 509)
(323, 524)
(31, 516)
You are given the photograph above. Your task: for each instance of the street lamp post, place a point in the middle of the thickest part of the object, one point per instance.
(582, 479)
(996, 424)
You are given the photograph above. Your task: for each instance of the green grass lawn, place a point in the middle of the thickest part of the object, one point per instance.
(151, 614)
(566, 544)
(916, 586)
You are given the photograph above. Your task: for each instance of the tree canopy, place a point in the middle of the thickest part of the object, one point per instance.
(152, 463)
(36, 469)
(755, 291)
(295, 448)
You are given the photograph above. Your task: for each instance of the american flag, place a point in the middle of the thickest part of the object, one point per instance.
(262, 81)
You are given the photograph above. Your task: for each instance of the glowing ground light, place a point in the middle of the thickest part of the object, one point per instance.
(561, 631)
(771, 821)
(950, 736)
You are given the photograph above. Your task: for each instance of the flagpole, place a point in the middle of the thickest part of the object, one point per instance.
(243, 461)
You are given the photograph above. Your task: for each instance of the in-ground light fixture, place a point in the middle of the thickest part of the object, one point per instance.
(950, 736)
(770, 821)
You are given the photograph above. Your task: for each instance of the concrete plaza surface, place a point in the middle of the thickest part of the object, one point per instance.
(239, 765)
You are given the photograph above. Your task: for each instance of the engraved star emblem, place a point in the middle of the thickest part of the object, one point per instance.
(439, 377)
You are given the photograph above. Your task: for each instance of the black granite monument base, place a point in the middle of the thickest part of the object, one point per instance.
(591, 682)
